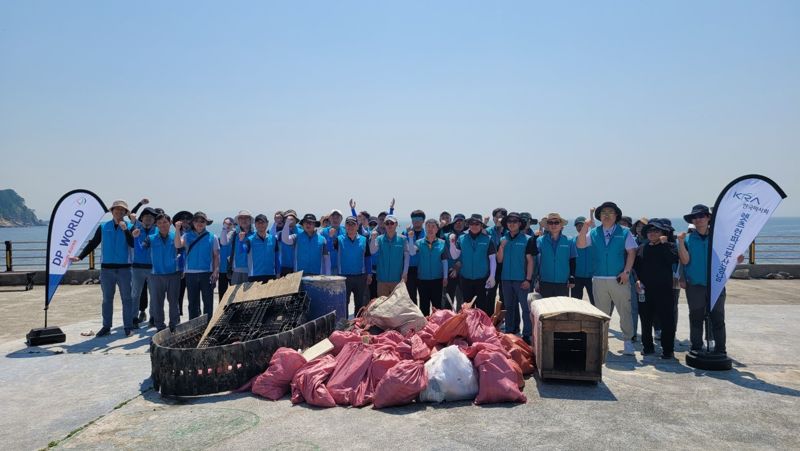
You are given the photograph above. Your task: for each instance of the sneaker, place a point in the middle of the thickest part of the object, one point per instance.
(648, 352)
(128, 332)
(103, 332)
(142, 316)
(135, 323)
(657, 335)
(668, 356)
(628, 350)
(151, 323)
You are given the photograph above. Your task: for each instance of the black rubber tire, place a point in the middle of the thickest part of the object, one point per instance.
(709, 361)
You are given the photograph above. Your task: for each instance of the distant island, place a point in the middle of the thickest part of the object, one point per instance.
(14, 213)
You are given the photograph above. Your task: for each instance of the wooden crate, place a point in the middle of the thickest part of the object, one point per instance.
(570, 338)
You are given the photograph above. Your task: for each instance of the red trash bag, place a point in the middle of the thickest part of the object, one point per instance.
(401, 384)
(473, 350)
(427, 333)
(419, 350)
(440, 317)
(452, 328)
(340, 338)
(520, 352)
(497, 379)
(352, 365)
(404, 350)
(276, 381)
(480, 328)
(308, 383)
(391, 337)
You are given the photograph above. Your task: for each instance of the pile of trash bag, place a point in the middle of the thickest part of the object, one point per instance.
(447, 356)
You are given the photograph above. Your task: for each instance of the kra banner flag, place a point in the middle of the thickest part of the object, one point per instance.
(741, 211)
(74, 218)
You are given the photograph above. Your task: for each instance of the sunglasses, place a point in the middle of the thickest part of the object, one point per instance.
(512, 221)
(607, 213)
(553, 222)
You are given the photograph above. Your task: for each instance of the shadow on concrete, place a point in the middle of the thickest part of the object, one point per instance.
(90, 345)
(746, 379)
(573, 390)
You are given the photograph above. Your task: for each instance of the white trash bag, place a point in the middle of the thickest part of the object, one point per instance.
(451, 377)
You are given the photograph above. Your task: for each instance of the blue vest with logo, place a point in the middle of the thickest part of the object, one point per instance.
(609, 259)
(430, 259)
(583, 262)
(115, 247)
(515, 262)
(351, 255)
(333, 252)
(287, 251)
(263, 257)
(240, 259)
(308, 252)
(163, 254)
(554, 264)
(201, 256)
(474, 256)
(141, 253)
(390, 258)
(696, 271)
(414, 259)
(224, 254)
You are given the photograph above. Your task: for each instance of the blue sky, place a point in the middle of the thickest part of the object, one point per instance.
(463, 106)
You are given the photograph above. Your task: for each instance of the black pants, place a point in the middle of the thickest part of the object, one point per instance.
(286, 271)
(198, 285)
(260, 278)
(357, 286)
(183, 291)
(696, 298)
(658, 305)
(452, 288)
(492, 293)
(373, 287)
(222, 284)
(580, 284)
(430, 293)
(412, 282)
(143, 298)
(549, 290)
(657, 322)
(476, 288)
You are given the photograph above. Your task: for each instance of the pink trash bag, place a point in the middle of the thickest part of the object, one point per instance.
(340, 338)
(497, 379)
(308, 383)
(276, 381)
(352, 366)
(401, 384)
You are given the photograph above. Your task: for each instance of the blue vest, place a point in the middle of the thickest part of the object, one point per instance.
(609, 259)
(351, 255)
(308, 253)
(474, 256)
(287, 251)
(224, 254)
(414, 259)
(496, 236)
(696, 271)
(554, 265)
(390, 258)
(583, 262)
(115, 247)
(163, 254)
(430, 259)
(240, 259)
(141, 253)
(263, 257)
(333, 252)
(515, 262)
(201, 256)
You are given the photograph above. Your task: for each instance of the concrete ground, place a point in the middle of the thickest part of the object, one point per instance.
(95, 393)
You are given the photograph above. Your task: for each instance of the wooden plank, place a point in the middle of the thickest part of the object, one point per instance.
(593, 353)
(561, 326)
(547, 350)
(570, 376)
(323, 347)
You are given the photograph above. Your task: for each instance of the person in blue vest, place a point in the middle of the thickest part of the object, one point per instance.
(653, 265)
(457, 228)
(185, 218)
(372, 224)
(496, 233)
(286, 250)
(338, 230)
(354, 261)
(557, 254)
(240, 270)
(613, 250)
(262, 251)
(413, 233)
(142, 267)
(391, 252)
(165, 280)
(528, 221)
(444, 224)
(363, 219)
(584, 267)
(224, 259)
(202, 263)
(693, 254)
(310, 248)
(431, 254)
(517, 252)
(476, 254)
(115, 269)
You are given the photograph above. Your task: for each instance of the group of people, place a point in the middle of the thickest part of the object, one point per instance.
(637, 268)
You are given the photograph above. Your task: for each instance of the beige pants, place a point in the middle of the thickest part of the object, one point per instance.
(608, 293)
(385, 288)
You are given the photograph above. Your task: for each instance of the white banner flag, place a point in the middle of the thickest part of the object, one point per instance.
(74, 217)
(741, 211)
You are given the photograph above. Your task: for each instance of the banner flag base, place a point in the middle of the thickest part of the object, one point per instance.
(712, 361)
(45, 336)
